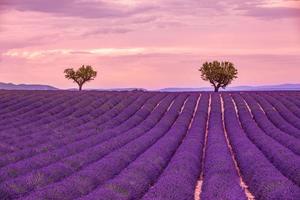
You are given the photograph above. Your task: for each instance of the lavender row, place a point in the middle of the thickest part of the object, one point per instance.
(133, 181)
(36, 151)
(295, 101)
(11, 99)
(281, 157)
(102, 114)
(25, 120)
(221, 179)
(86, 135)
(179, 179)
(269, 128)
(66, 104)
(25, 103)
(276, 118)
(39, 125)
(283, 111)
(38, 136)
(11, 124)
(262, 178)
(114, 106)
(94, 150)
(289, 104)
(63, 111)
(66, 136)
(42, 132)
(85, 180)
(13, 104)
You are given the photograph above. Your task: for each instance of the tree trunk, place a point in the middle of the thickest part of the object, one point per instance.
(216, 89)
(80, 87)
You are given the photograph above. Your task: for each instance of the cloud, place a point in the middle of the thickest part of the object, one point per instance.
(106, 52)
(155, 9)
(111, 30)
(276, 9)
(274, 13)
(75, 8)
(145, 52)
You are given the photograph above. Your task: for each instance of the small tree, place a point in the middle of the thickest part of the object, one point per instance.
(81, 76)
(219, 74)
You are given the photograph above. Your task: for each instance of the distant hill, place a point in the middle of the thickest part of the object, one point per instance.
(239, 88)
(127, 89)
(11, 86)
(111, 89)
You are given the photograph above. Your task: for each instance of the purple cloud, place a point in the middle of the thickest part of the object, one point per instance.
(107, 9)
(274, 13)
(112, 30)
(84, 9)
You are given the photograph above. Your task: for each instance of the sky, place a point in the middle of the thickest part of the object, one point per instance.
(149, 43)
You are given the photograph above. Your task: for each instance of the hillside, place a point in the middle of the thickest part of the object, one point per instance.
(11, 86)
(281, 87)
(149, 145)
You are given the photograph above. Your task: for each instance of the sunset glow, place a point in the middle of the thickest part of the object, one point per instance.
(148, 44)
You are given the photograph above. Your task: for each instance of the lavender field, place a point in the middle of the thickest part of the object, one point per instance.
(149, 145)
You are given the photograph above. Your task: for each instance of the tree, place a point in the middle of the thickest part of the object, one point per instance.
(81, 76)
(219, 74)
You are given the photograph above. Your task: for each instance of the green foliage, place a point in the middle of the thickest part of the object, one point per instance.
(219, 74)
(82, 75)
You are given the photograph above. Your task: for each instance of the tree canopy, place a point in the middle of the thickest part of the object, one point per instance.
(82, 75)
(219, 74)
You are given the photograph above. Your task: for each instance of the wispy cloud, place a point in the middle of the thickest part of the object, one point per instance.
(111, 52)
(77, 8)
(140, 51)
(129, 8)
(274, 12)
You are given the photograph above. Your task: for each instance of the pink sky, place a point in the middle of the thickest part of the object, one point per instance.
(149, 43)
